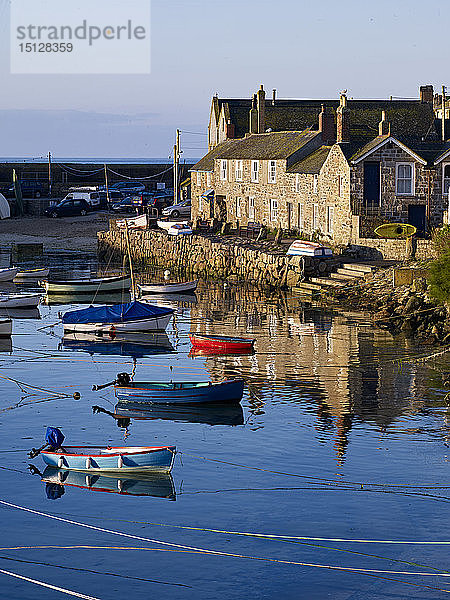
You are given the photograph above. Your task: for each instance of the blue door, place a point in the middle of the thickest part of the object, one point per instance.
(417, 217)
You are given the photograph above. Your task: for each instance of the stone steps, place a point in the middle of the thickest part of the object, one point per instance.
(351, 273)
(358, 267)
(327, 282)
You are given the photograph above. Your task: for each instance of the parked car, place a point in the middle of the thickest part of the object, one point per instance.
(114, 197)
(183, 209)
(91, 197)
(149, 199)
(125, 205)
(69, 208)
(30, 189)
(126, 187)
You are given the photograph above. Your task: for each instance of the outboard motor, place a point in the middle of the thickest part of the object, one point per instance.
(54, 438)
(123, 379)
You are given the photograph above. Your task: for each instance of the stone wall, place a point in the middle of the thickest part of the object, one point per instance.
(393, 249)
(232, 259)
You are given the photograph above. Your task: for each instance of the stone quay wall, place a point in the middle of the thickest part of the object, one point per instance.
(233, 259)
(369, 248)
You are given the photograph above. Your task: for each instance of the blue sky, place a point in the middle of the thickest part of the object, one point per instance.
(304, 49)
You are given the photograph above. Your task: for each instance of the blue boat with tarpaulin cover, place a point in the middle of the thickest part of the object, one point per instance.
(130, 316)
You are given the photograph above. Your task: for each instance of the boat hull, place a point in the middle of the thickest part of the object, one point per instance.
(5, 328)
(222, 343)
(155, 324)
(186, 287)
(181, 393)
(122, 459)
(8, 274)
(399, 231)
(107, 284)
(19, 300)
(31, 275)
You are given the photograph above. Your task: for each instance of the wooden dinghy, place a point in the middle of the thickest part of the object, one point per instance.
(5, 328)
(129, 317)
(19, 300)
(168, 224)
(156, 484)
(306, 248)
(399, 231)
(86, 286)
(186, 392)
(8, 274)
(185, 287)
(221, 343)
(32, 274)
(117, 458)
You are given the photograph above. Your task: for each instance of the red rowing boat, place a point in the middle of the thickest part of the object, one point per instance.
(221, 342)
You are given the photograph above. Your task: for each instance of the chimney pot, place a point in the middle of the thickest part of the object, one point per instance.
(274, 95)
(343, 120)
(384, 127)
(261, 108)
(326, 126)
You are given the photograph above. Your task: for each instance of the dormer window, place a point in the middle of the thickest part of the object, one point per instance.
(404, 180)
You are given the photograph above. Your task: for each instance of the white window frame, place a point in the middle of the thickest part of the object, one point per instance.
(397, 179)
(254, 177)
(208, 178)
(238, 206)
(273, 210)
(297, 182)
(238, 170)
(200, 204)
(199, 178)
(330, 220)
(315, 218)
(301, 216)
(340, 185)
(223, 169)
(271, 171)
(315, 183)
(251, 208)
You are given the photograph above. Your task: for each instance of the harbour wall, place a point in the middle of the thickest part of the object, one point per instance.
(213, 256)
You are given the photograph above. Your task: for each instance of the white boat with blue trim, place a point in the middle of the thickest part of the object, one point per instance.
(111, 459)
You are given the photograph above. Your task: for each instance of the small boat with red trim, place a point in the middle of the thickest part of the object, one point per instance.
(221, 342)
(184, 392)
(97, 459)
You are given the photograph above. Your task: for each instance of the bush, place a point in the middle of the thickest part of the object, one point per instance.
(439, 277)
(441, 239)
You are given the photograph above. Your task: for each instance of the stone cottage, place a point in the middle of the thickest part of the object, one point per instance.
(331, 170)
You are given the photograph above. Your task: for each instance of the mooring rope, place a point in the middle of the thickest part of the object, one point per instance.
(333, 481)
(49, 586)
(220, 553)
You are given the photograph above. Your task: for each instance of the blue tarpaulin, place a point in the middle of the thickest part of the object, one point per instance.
(116, 313)
(54, 437)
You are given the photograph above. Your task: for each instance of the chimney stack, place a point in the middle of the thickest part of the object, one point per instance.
(261, 106)
(326, 126)
(384, 127)
(274, 96)
(229, 130)
(426, 93)
(253, 124)
(343, 121)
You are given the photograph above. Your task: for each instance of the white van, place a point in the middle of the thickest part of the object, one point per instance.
(90, 194)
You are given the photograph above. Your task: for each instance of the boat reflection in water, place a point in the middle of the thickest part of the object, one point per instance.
(219, 352)
(136, 345)
(208, 414)
(88, 298)
(6, 345)
(20, 313)
(159, 485)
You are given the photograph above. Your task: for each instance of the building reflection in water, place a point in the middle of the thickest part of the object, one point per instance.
(338, 364)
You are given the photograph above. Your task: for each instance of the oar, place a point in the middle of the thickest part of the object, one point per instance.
(96, 388)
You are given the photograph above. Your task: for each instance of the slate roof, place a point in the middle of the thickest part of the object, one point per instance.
(311, 163)
(259, 146)
(411, 117)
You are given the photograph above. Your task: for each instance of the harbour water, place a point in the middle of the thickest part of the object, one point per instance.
(343, 435)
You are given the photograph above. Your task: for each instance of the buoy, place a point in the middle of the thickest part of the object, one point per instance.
(166, 274)
(76, 395)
